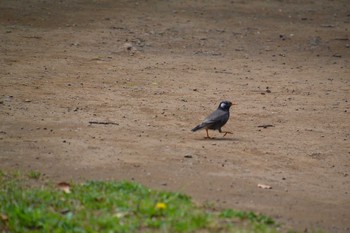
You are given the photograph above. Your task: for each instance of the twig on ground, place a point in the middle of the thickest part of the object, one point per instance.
(102, 123)
(265, 126)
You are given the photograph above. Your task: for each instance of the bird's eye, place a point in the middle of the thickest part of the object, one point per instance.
(222, 105)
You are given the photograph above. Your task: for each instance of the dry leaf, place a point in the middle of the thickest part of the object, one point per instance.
(4, 217)
(264, 186)
(64, 186)
(120, 214)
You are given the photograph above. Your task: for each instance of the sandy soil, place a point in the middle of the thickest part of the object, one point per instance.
(155, 69)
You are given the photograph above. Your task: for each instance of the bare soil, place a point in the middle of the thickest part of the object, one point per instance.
(155, 69)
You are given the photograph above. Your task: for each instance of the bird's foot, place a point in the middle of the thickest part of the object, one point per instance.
(208, 137)
(226, 132)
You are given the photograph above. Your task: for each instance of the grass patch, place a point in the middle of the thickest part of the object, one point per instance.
(253, 217)
(98, 206)
(34, 175)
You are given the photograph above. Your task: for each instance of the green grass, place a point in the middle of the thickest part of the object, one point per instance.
(98, 206)
(34, 175)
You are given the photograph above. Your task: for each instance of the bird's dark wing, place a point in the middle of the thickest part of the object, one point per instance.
(216, 119)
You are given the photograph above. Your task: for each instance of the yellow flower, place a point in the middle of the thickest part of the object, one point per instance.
(160, 205)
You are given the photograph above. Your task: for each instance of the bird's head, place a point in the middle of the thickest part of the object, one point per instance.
(225, 105)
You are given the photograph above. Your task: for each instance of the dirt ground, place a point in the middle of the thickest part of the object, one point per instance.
(152, 70)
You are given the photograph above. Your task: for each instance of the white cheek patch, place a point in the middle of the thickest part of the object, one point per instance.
(222, 105)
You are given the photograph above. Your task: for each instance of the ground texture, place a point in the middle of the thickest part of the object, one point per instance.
(152, 70)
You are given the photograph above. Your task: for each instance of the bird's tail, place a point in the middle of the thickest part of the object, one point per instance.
(198, 127)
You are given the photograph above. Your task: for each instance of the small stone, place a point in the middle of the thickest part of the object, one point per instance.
(128, 46)
(264, 186)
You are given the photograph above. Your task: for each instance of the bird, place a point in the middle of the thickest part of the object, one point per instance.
(217, 119)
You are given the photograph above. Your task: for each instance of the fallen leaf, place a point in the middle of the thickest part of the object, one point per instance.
(4, 217)
(64, 211)
(120, 214)
(264, 186)
(64, 186)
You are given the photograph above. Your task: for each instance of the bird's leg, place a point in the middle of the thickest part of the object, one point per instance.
(207, 137)
(225, 132)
